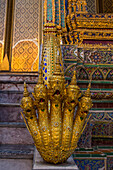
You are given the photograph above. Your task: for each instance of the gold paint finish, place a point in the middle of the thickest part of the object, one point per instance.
(84, 106)
(87, 26)
(51, 48)
(56, 131)
(25, 57)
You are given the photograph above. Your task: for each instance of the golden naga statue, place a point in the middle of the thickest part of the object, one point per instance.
(50, 117)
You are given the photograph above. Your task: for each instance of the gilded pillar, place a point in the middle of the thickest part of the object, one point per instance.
(5, 33)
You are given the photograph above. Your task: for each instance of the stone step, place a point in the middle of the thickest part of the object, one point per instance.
(16, 164)
(16, 96)
(15, 87)
(16, 151)
(11, 93)
(18, 134)
(15, 82)
(13, 124)
(19, 77)
(16, 157)
(10, 113)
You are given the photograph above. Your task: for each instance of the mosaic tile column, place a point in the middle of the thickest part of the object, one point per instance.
(63, 13)
(54, 12)
(49, 11)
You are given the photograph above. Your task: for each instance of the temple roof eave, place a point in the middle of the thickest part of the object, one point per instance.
(84, 21)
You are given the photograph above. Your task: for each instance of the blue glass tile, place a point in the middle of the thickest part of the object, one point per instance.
(96, 16)
(76, 8)
(102, 16)
(46, 70)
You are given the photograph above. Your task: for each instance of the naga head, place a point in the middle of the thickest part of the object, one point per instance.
(56, 84)
(56, 88)
(72, 92)
(40, 92)
(27, 103)
(85, 103)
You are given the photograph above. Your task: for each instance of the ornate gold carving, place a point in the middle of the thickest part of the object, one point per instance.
(81, 5)
(87, 26)
(56, 132)
(71, 100)
(84, 106)
(96, 21)
(51, 48)
(27, 105)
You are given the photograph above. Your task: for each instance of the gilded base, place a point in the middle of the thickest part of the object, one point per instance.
(55, 156)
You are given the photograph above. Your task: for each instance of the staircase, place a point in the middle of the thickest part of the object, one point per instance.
(16, 144)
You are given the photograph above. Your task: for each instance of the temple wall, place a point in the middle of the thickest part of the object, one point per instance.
(93, 64)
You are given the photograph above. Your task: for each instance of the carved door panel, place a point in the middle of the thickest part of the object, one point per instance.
(22, 35)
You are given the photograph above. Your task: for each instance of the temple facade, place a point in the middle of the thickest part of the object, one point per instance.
(82, 32)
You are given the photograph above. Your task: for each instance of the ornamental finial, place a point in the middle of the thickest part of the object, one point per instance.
(40, 80)
(87, 93)
(73, 80)
(26, 93)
